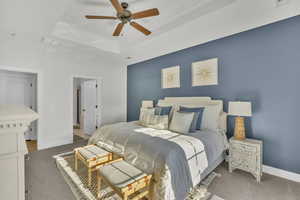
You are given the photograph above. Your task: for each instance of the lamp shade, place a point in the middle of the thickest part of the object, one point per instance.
(240, 108)
(147, 104)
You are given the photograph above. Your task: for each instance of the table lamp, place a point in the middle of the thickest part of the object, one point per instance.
(240, 110)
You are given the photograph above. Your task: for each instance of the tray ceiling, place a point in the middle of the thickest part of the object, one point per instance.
(65, 19)
(98, 33)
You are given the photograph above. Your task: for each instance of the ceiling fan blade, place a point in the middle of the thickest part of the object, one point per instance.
(118, 29)
(145, 13)
(116, 4)
(140, 28)
(100, 17)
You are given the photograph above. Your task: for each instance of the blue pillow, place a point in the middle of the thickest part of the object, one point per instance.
(195, 110)
(162, 110)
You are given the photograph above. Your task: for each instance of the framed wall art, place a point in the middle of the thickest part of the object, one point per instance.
(170, 77)
(205, 72)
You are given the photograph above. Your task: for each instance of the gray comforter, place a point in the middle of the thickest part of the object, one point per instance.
(176, 160)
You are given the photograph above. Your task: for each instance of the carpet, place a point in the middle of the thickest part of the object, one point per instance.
(77, 181)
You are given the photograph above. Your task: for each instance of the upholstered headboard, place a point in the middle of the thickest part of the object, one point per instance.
(195, 102)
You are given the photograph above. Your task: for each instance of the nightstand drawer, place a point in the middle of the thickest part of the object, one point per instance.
(243, 148)
(239, 158)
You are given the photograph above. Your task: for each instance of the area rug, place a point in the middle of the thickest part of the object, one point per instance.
(77, 181)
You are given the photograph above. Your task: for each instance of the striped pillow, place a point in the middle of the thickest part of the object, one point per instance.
(145, 115)
(149, 119)
(160, 122)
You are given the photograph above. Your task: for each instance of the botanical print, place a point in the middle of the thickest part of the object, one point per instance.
(170, 77)
(205, 72)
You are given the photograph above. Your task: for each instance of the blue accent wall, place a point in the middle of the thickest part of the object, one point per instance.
(261, 65)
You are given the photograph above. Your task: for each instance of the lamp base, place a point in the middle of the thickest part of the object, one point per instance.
(239, 129)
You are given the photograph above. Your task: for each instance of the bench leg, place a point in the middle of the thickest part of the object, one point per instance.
(98, 185)
(89, 177)
(76, 162)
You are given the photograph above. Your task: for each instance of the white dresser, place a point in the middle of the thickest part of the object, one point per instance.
(246, 155)
(14, 121)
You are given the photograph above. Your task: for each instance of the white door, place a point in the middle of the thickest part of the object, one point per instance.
(89, 106)
(19, 89)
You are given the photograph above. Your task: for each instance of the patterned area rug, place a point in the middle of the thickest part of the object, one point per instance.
(78, 182)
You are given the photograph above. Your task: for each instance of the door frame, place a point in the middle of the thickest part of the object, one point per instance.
(38, 93)
(99, 96)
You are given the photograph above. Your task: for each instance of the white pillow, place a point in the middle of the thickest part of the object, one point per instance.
(211, 117)
(181, 122)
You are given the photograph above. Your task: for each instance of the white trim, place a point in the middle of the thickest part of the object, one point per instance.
(281, 173)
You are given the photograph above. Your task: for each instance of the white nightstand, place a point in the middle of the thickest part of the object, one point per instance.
(246, 155)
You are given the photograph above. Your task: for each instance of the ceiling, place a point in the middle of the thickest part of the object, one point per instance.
(98, 33)
(65, 19)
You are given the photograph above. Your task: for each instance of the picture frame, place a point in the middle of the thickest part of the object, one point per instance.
(170, 77)
(205, 72)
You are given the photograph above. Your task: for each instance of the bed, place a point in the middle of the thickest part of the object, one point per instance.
(178, 162)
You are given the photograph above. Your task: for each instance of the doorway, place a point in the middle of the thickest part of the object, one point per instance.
(86, 108)
(21, 88)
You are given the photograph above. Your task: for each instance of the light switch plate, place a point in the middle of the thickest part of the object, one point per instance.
(279, 3)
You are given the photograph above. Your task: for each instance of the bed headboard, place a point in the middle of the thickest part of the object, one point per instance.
(194, 101)
(177, 99)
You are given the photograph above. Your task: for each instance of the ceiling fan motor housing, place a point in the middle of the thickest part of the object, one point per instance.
(124, 16)
(124, 5)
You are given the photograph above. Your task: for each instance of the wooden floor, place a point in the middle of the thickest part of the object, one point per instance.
(31, 145)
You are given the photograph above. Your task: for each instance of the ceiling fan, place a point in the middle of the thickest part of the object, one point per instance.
(125, 16)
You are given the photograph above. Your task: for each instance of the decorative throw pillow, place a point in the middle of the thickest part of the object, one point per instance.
(145, 115)
(211, 117)
(197, 117)
(181, 122)
(193, 127)
(160, 122)
(162, 110)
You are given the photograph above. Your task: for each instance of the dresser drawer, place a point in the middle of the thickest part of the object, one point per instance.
(8, 143)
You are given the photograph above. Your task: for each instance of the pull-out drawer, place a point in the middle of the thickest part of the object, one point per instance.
(243, 148)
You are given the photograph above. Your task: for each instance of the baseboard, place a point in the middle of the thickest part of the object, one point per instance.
(281, 173)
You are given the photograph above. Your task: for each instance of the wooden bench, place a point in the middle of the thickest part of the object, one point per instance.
(91, 156)
(125, 179)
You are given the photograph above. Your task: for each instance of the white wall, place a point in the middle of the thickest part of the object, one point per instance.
(237, 17)
(56, 64)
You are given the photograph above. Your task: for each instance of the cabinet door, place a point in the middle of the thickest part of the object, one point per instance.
(9, 178)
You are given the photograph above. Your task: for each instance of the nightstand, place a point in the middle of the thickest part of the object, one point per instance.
(247, 156)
